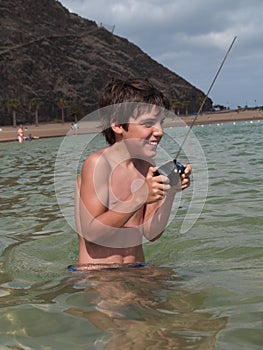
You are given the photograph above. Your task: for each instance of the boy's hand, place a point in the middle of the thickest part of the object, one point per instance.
(157, 186)
(185, 177)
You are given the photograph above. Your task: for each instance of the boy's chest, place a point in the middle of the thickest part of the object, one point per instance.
(124, 182)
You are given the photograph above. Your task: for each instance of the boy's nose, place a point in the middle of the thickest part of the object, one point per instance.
(158, 130)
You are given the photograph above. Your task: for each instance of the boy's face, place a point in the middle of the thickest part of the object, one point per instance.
(144, 133)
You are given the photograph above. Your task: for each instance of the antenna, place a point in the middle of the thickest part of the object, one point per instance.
(205, 98)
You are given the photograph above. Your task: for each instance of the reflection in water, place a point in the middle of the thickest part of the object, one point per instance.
(145, 309)
(121, 308)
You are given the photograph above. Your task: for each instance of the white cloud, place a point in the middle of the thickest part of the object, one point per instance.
(190, 37)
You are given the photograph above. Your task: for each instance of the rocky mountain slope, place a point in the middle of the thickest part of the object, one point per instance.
(48, 53)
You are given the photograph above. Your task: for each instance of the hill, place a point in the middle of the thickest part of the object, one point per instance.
(48, 53)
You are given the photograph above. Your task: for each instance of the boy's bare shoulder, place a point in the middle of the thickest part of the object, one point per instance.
(95, 159)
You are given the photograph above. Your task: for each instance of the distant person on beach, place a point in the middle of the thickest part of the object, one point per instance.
(75, 128)
(20, 133)
(30, 137)
(119, 200)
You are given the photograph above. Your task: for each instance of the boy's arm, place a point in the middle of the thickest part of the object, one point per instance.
(97, 222)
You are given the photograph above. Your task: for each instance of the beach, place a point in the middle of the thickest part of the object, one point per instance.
(9, 133)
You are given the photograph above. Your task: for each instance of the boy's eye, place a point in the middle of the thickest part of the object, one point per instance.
(149, 123)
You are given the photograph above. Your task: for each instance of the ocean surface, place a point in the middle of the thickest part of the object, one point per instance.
(203, 287)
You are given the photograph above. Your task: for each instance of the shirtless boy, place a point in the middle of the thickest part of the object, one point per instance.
(118, 199)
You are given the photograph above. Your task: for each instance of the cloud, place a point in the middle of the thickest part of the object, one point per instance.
(191, 37)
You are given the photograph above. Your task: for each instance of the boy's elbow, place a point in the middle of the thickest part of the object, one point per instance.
(157, 237)
(154, 238)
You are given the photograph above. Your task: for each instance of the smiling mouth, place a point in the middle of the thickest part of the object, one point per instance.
(152, 143)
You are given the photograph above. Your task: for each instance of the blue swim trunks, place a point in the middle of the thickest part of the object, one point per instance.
(88, 267)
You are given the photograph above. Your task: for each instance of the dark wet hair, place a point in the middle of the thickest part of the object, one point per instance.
(120, 93)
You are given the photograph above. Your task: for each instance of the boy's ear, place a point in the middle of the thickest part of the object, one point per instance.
(117, 128)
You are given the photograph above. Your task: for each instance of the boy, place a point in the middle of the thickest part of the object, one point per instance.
(118, 199)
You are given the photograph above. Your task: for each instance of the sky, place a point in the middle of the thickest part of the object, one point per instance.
(191, 38)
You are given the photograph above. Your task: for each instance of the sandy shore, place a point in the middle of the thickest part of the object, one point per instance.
(58, 129)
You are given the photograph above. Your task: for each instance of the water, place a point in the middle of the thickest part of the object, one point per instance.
(203, 292)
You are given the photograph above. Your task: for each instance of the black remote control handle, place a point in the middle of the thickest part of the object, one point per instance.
(172, 169)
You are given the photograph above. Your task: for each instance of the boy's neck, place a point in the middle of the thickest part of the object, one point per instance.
(119, 153)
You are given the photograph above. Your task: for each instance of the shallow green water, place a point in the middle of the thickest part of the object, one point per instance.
(204, 290)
